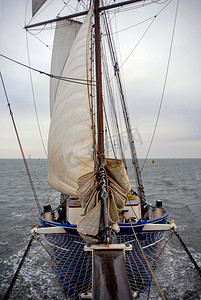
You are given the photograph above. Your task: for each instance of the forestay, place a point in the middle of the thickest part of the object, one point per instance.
(70, 144)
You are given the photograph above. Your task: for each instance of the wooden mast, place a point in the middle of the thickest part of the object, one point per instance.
(100, 127)
(99, 82)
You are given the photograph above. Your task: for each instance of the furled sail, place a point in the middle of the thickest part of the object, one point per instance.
(65, 34)
(70, 144)
(118, 186)
(36, 5)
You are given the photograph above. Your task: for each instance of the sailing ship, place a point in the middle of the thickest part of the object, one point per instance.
(104, 238)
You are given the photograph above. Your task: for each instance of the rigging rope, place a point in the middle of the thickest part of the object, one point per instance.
(40, 11)
(152, 273)
(164, 87)
(138, 41)
(21, 149)
(126, 118)
(133, 25)
(187, 251)
(72, 80)
(34, 98)
(65, 4)
(35, 36)
(9, 290)
(154, 18)
(113, 109)
(170, 236)
(37, 237)
(110, 136)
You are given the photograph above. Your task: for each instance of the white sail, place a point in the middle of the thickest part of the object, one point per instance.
(70, 144)
(65, 34)
(36, 5)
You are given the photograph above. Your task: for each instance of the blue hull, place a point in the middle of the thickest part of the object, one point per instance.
(125, 228)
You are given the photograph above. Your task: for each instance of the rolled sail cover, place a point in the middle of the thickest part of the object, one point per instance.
(118, 185)
(70, 143)
(116, 169)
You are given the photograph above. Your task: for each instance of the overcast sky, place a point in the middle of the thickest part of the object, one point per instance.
(178, 133)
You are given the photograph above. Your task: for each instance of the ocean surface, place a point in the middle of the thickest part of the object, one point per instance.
(177, 182)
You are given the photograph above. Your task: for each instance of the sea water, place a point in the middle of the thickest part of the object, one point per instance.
(177, 182)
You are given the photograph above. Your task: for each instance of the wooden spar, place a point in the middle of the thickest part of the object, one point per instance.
(83, 13)
(100, 132)
(99, 82)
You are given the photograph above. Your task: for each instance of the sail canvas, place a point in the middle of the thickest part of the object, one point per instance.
(70, 146)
